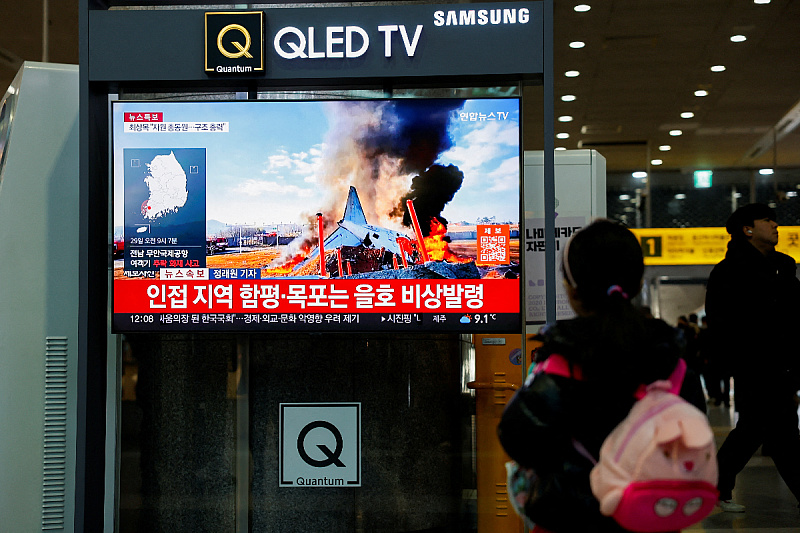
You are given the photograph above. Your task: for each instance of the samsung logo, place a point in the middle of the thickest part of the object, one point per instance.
(481, 17)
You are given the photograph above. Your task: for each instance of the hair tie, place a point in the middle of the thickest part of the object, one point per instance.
(616, 288)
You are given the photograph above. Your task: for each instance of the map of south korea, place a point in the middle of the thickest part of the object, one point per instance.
(166, 181)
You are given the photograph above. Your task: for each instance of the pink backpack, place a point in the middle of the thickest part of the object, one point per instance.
(657, 469)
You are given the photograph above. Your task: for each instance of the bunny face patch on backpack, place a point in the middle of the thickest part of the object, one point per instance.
(658, 470)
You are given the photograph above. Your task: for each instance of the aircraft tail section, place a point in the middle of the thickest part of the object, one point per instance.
(353, 211)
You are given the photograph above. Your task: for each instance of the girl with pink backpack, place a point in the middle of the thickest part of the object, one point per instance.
(656, 470)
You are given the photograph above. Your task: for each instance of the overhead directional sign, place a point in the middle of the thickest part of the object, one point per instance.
(320, 445)
(701, 246)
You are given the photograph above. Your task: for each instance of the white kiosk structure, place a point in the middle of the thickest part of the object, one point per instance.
(580, 189)
(39, 244)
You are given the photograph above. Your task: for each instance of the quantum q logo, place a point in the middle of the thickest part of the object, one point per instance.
(243, 50)
(320, 445)
(331, 456)
(234, 42)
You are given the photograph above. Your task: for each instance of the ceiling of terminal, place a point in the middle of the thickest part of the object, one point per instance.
(639, 68)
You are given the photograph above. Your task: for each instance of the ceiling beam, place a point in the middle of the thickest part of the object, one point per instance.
(784, 127)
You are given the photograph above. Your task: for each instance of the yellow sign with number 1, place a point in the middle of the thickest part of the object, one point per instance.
(701, 246)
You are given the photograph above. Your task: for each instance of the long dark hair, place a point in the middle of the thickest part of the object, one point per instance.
(604, 265)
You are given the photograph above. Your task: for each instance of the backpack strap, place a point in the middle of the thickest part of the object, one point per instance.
(672, 384)
(557, 365)
(676, 378)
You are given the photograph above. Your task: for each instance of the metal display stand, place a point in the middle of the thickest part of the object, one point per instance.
(164, 51)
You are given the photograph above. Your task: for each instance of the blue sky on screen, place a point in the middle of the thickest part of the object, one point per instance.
(281, 161)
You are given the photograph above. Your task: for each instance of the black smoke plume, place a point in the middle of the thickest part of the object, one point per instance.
(430, 191)
(416, 133)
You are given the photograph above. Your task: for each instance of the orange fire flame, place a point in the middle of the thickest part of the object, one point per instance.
(286, 268)
(438, 249)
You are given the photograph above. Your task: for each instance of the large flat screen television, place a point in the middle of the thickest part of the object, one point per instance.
(317, 215)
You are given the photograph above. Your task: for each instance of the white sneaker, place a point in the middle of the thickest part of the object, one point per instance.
(730, 507)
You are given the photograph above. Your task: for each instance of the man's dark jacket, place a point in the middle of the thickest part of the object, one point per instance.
(752, 303)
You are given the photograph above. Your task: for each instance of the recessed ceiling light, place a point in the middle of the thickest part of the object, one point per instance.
(565, 118)
(665, 148)
(562, 136)
(680, 196)
(582, 8)
(738, 38)
(687, 114)
(624, 197)
(701, 92)
(559, 148)
(718, 68)
(761, 1)
(766, 171)
(577, 44)
(656, 162)
(639, 174)
(675, 133)
(572, 74)
(568, 98)
(791, 194)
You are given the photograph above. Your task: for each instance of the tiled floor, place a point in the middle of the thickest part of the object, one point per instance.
(770, 507)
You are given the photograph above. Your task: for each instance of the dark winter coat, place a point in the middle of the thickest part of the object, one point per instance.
(752, 311)
(540, 422)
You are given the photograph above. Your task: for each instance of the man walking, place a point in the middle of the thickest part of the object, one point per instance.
(752, 302)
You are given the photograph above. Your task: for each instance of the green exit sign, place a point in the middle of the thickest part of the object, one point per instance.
(702, 179)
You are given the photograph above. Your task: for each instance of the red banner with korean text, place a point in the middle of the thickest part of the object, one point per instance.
(308, 295)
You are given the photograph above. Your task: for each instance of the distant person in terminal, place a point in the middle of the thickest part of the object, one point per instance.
(690, 333)
(753, 311)
(617, 348)
(716, 368)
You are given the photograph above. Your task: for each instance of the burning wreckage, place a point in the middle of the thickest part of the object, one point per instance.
(359, 250)
(374, 148)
